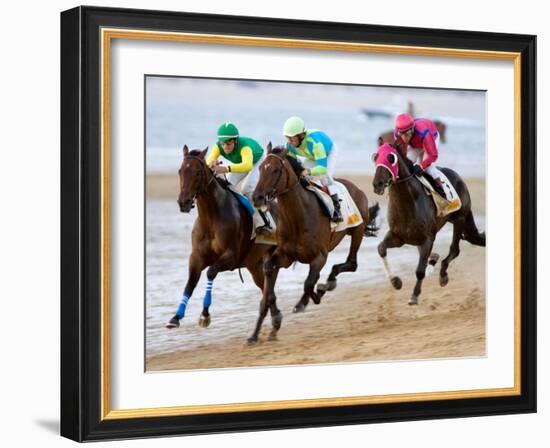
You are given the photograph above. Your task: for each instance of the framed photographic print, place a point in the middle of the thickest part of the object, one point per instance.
(274, 223)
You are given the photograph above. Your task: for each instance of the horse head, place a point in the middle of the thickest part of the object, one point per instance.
(277, 176)
(194, 176)
(388, 163)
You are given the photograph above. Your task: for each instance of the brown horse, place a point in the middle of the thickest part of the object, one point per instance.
(412, 215)
(303, 230)
(221, 233)
(388, 137)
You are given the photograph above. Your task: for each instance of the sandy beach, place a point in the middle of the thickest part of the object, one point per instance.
(364, 319)
(163, 186)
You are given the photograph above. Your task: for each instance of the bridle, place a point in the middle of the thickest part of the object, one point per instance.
(398, 180)
(406, 178)
(274, 194)
(204, 182)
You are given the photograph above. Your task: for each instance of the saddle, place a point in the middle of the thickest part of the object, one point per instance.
(350, 212)
(442, 205)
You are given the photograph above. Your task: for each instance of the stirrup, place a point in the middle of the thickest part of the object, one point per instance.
(264, 230)
(440, 191)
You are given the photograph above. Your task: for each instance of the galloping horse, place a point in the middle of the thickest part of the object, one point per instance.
(412, 215)
(221, 233)
(303, 230)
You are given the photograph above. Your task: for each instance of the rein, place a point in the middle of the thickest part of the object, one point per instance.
(212, 176)
(404, 179)
(274, 194)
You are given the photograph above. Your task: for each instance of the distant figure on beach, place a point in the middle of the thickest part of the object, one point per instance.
(244, 153)
(320, 153)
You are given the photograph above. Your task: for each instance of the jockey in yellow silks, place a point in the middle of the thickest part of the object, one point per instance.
(244, 153)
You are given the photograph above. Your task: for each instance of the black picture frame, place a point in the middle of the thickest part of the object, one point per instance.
(81, 381)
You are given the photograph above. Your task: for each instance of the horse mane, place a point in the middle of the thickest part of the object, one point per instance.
(294, 162)
(403, 155)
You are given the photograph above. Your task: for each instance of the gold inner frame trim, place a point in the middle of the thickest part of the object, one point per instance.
(107, 34)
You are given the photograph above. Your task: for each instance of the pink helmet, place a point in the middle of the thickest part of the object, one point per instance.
(404, 122)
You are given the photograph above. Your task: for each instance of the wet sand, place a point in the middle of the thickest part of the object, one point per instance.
(359, 321)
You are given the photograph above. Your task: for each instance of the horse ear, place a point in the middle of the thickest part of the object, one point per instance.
(269, 148)
(373, 157)
(380, 141)
(185, 150)
(202, 154)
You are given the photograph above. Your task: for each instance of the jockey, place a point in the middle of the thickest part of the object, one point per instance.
(244, 153)
(320, 153)
(421, 136)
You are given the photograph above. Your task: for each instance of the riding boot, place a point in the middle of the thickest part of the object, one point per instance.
(337, 216)
(266, 228)
(438, 185)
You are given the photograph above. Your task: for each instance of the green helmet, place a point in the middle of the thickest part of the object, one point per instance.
(293, 126)
(227, 131)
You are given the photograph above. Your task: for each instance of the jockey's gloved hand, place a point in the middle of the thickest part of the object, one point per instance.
(417, 169)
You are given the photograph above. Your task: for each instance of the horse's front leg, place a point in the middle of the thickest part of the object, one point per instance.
(424, 251)
(225, 262)
(271, 267)
(276, 316)
(389, 241)
(196, 265)
(349, 266)
(315, 268)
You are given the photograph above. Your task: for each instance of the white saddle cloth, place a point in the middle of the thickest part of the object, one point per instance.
(443, 206)
(350, 212)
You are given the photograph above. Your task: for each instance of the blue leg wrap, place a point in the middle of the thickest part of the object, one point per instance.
(182, 306)
(208, 294)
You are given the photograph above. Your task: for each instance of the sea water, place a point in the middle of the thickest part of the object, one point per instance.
(188, 111)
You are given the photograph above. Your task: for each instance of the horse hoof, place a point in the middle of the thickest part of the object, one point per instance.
(252, 340)
(443, 280)
(173, 323)
(322, 288)
(272, 337)
(396, 282)
(413, 300)
(331, 285)
(315, 298)
(300, 308)
(276, 320)
(434, 258)
(204, 321)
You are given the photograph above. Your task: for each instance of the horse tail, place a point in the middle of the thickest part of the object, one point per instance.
(471, 233)
(371, 229)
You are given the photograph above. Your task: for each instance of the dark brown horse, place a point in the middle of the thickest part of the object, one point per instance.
(303, 230)
(221, 233)
(412, 215)
(388, 137)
